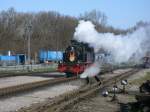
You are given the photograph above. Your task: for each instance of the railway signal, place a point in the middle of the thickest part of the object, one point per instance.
(105, 93)
(124, 83)
(115, 88)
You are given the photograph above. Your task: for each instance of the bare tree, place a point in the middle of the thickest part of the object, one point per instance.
(50, 30)
(95, 16)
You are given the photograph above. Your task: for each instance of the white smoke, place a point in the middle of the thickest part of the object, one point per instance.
(121, 47)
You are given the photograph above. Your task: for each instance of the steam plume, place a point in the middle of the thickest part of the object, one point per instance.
(122, 47)
(91, 71)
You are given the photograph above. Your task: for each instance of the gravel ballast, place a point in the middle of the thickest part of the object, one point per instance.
(12, 81)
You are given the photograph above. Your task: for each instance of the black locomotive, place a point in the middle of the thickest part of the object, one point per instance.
(76, 58)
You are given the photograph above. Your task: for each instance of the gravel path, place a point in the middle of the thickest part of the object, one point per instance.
(97, 104)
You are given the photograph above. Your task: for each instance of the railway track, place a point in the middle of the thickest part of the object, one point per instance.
(7, 91)
(3, 75)
(67, 100)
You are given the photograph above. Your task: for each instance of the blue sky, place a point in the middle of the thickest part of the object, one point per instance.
(120, 13)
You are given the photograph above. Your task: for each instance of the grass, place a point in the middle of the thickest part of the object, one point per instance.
(140, 80)
(29, 71)
(49, 69)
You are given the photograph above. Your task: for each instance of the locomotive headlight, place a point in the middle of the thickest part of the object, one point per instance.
(60, 62)
(72, 56)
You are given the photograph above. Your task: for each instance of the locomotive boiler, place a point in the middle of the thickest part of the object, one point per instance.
(76, 58)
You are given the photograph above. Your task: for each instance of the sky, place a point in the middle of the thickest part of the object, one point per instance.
(120, 13)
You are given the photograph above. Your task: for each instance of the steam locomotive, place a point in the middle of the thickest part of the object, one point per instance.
(76, 58)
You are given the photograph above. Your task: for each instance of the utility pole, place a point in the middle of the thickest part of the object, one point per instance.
(28, 34)
(57, 36)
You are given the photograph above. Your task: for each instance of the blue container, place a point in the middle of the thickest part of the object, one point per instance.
(7, 58)
(42, 56)
(59, 55)
(20, 59)
(55, 55)
(50, 56)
